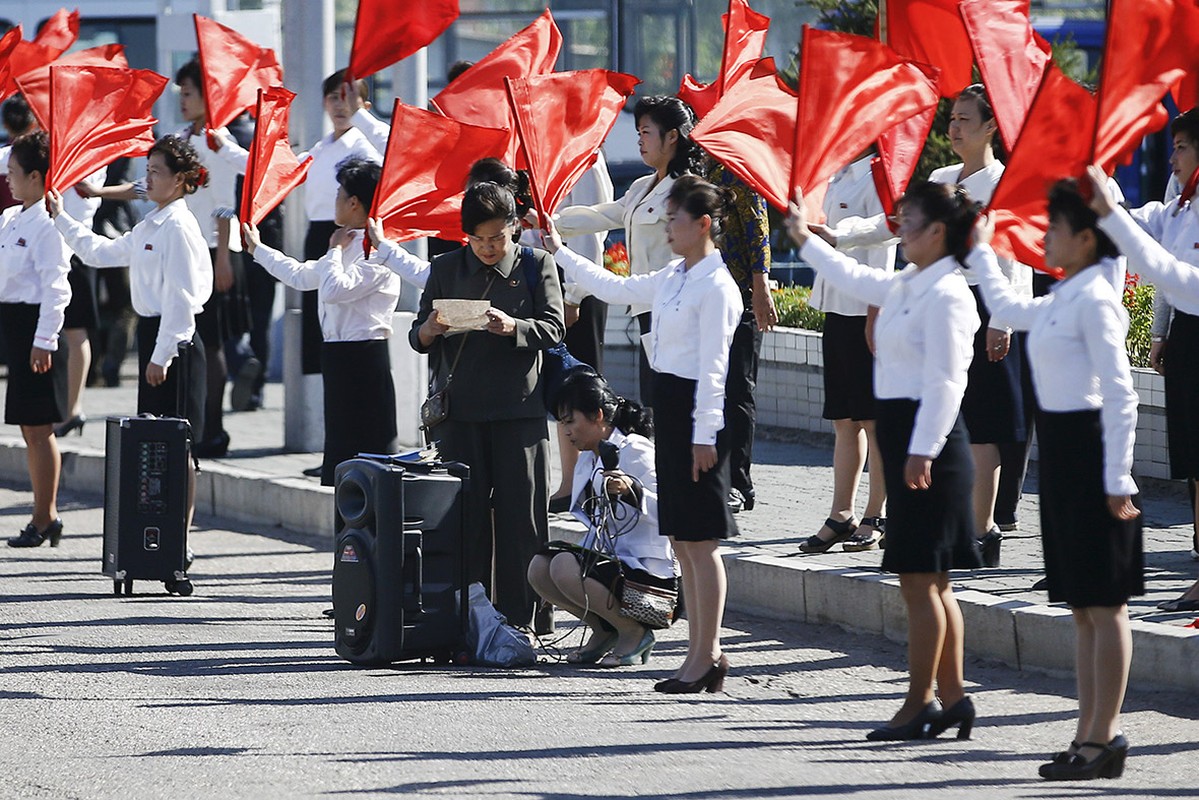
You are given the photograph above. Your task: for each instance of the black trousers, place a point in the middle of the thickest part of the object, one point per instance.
(506, 504)
(316, 244)
(260, 297)
(739, 409)
(645, 375)
(585, 339)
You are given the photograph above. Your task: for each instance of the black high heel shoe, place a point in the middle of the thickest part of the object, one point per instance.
(75, 423)
(712, 681)
(918, 728)
(988, 547)
(32, 537)
(960, 713)
(1108, 764)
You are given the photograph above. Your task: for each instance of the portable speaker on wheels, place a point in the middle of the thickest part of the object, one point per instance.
(145, 502)
(398, 560)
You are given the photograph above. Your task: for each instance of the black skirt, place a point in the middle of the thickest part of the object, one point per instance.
(928, 530)
(1091, 558)
(31, 398)
(848, 369)
(360, 402)
(688, 511)
(185, 385)
(993, 405)
(82, 312)
(1182, 396)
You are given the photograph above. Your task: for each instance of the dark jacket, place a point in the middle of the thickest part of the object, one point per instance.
(497, 377)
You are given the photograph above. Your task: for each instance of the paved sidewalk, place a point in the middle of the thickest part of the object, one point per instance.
(260, 483)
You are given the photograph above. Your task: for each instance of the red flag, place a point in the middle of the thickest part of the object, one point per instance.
(35, 84)
(851, 90)
(899, 152)
(561, 121)
(478, 97)
(425, 169)
(97, 115)
(1150, 45)
(1011, 57)
(931, 32)
(1186, 91)
(386, 31)
(233, 69)
(18, 57)
(60, 31)
(272, 169)
(751, 130)
(744, 38)
(1054, 143)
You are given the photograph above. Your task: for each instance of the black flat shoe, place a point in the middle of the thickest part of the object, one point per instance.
(1108, 764)
(918, 728)
(960, 714)
(1180, 604)
(660, 686)
(711, 681)
(988, 547)
(559, 505)
(32, 537)
(313, 472)
(75, 423)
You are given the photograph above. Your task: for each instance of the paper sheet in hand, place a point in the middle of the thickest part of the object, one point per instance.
(462, 315)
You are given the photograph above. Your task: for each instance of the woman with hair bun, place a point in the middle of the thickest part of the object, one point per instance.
(664, 126)
(696, 308)
(923, 338)
(620, 508)
(170, 279)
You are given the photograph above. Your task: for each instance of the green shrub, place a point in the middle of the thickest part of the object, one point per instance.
(791, 302)
(1138, 301)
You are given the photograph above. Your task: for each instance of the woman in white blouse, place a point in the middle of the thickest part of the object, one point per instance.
(620, 508)
(34, 293)
(170, 278)
(357, 296)
(696, 307)
(664, 125)
(1090, 523)
(926, 323)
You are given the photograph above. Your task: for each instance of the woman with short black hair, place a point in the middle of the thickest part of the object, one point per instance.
(496, 419)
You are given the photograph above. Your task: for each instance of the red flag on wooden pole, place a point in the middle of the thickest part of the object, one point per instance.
(425, 170)
(60, 31)
(272, 169)
(386, 31)
(35, 84)
(1011, 58)
(478, 97)
(561, 121)
(744, 39)
(233, 70)
(97, 115)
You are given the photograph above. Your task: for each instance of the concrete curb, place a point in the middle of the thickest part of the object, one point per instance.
(1018, 633)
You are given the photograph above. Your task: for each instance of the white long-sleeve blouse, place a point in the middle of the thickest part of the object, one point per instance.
(695, 312)
(924, 335)
(1076, 353)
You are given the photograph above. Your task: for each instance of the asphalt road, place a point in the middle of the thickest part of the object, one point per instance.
(237, 692)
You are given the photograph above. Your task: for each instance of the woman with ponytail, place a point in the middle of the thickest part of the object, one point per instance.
(696, 309)
(620, 508)
(926, 323)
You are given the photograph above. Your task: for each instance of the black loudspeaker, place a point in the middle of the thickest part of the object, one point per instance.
(398, 561)
(145, 502)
